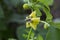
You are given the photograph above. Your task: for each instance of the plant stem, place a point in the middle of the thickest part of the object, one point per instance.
(29, 34)
(45, 23)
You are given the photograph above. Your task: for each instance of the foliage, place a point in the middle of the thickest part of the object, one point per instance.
(33, 29)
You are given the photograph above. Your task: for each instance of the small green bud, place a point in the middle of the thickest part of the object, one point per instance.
(26, 6)
(46, 26)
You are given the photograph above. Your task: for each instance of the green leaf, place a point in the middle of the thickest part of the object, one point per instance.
(56, 25)
(47, 7)
(53, 34)
(49, 2)
(38, 5)
(1, 12)
(20, 32)
(39, 37)
(38, 12)
(48, 14)
(32, 34)
(46, 2)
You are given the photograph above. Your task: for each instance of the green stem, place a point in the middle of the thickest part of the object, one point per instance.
(29, 34)
(45, 23)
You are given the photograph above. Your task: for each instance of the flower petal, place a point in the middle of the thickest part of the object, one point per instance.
(34, 23)
(27, 24)
(34, 26)
(33, 14)
(35, 20)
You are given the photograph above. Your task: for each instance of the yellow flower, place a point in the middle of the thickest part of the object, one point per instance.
(32, 20)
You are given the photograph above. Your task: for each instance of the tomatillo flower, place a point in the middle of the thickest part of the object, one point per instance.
(32, 20)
